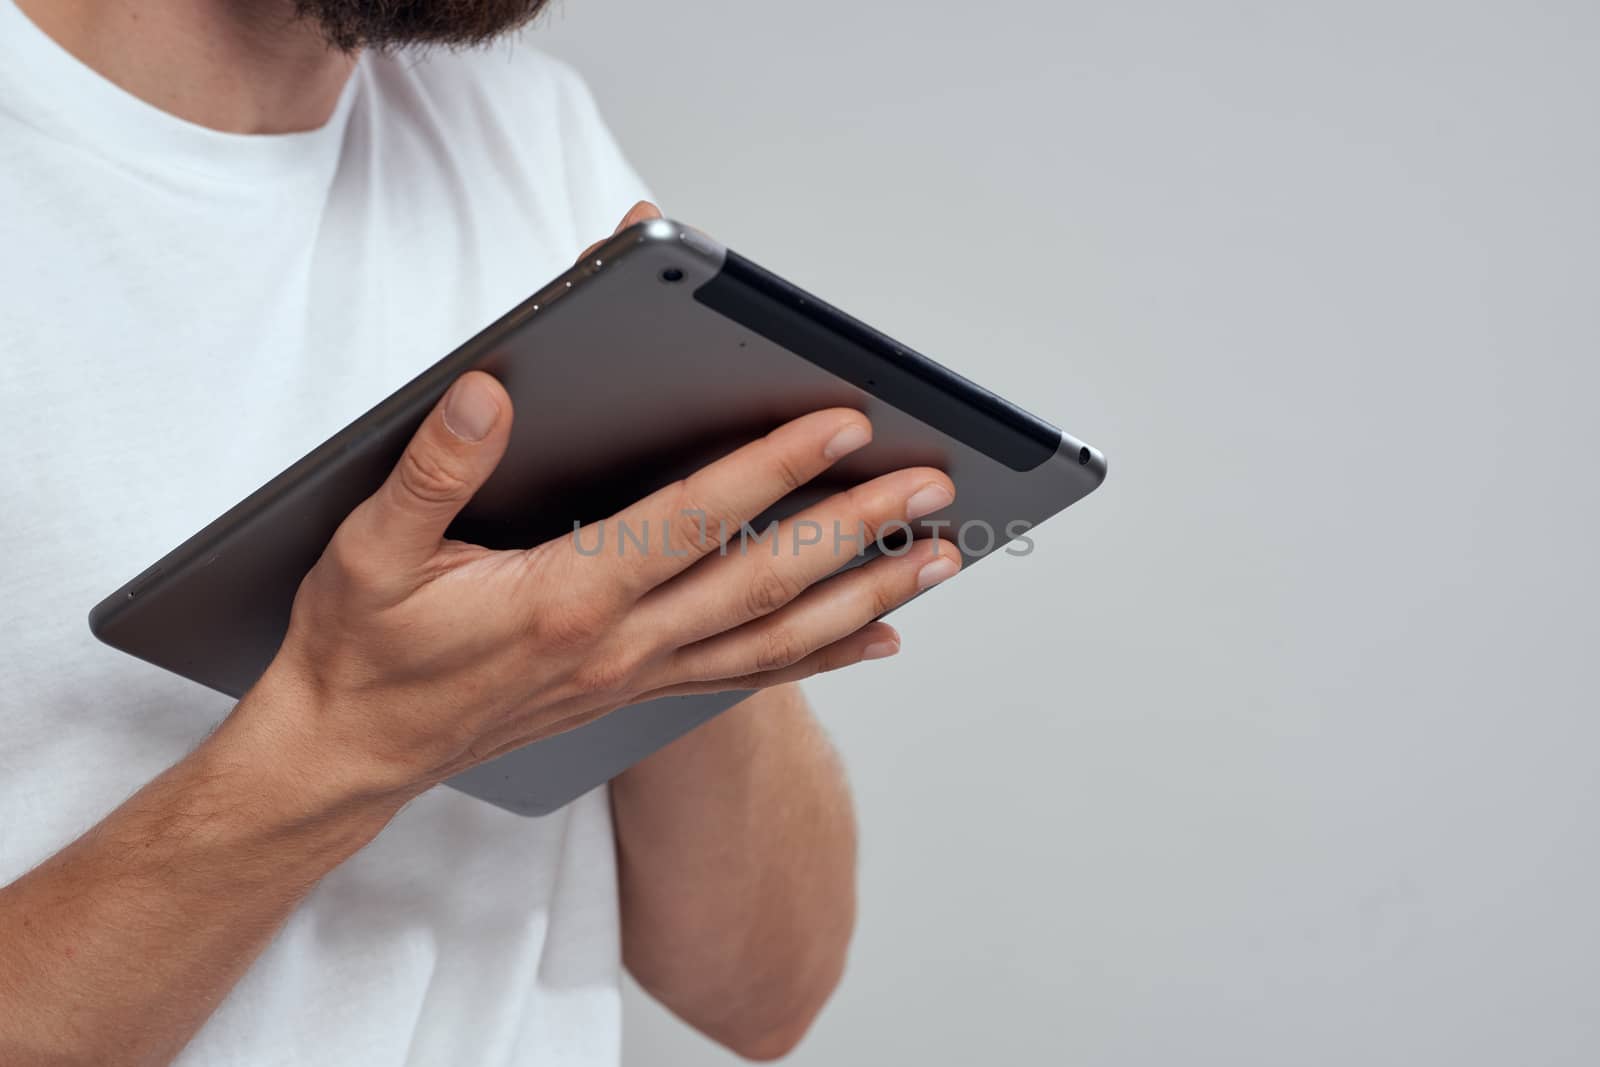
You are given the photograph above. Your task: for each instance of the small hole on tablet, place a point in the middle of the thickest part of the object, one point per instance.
(872, 383)
(1083, 457)
(672, 274)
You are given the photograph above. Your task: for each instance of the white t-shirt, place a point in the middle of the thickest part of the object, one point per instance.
(182, 314)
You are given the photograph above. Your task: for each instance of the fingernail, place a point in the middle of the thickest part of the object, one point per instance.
(933, 573)
(880, 650)
(847, 441)
(927, 500)
(471, 409)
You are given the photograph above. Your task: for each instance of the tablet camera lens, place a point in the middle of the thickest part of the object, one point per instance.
(1083, 457)
(672, 274)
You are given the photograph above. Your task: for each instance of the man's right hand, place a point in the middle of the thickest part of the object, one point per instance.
(411, 657)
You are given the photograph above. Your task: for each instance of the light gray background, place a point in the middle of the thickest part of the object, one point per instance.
(1281, 749)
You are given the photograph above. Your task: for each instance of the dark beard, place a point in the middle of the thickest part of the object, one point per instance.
(385, 25)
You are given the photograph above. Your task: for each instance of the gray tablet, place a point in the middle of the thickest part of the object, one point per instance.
(659, 352)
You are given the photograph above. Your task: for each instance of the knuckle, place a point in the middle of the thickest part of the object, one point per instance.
(342, 554)
(614, 671)
(428, 477)
(884, 599)
(691, 526)
(779, 647)
(695, 524)
(768, 591)
(348, 561)
(870, 506)
(605, 675)
(570, 627)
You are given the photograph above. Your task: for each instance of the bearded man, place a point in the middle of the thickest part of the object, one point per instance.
(228, 228)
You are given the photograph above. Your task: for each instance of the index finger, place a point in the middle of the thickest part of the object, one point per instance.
(685, 521)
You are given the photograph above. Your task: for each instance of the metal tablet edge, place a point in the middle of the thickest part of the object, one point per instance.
(876, 363)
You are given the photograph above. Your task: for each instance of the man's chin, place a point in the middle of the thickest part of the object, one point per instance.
(352, 25)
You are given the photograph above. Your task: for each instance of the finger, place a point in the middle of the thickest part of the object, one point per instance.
(640, 212)
(822, 616)
(449, 458)
(643, 211)
(757, 578)
(683, 522)
(875, 641)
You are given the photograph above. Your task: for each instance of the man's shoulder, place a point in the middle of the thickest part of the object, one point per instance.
(510, 114)
(509, 78)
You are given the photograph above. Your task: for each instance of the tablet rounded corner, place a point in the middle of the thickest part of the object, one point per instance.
(1086, 461)
(667, 233)
(101, 616)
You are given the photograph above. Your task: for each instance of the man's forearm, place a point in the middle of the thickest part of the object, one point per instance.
(737, 850)
(115, 950)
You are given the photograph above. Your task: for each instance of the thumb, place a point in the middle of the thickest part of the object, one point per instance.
(450, 457)
(640, 212)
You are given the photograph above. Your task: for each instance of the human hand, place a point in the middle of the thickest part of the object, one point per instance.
(413, 657)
